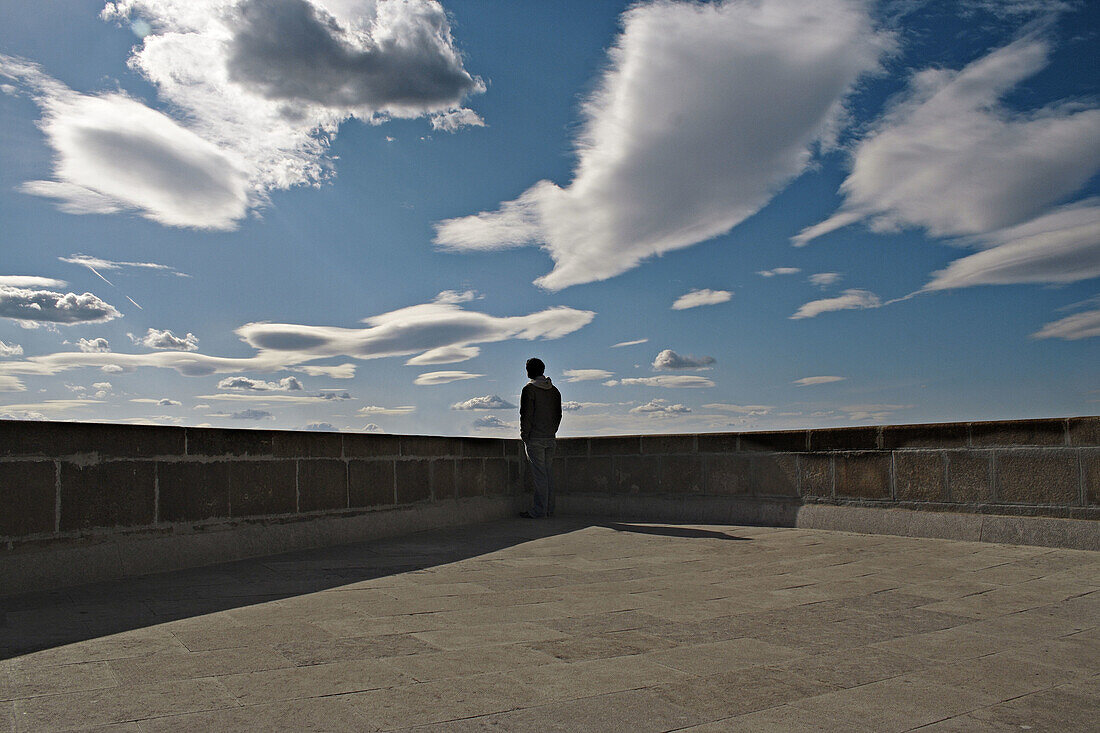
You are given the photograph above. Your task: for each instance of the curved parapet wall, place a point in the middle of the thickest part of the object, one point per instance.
(82, 501)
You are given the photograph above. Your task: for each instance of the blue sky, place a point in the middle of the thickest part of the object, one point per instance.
(360, 215)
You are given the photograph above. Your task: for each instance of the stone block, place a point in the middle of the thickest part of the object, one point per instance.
(848, 439)
(920, 475)
(1018, 432)
(863, 475)
(775, 475)
(306, 444)
(371, 483)
(219, 442)
(480, 447)
(780, 440)
(815, 475)
(414, 480)
(262, 487)
(1090, 464)
(190, 491)
(588, 475)
(496, 476)
(370, 445)
(517, 476)
(667, 444)
(114, 494)
(443, 479)
(681, 474)
(635, 474)
(717, 443)
(933, 435)
(427, 446)
(28, 494)
(470, 477)
(1084, 431)
(567, 447)
(728, 474)
(58, 439)
(618, 445)
(969, 476)
(322, 484)
(1030, 476)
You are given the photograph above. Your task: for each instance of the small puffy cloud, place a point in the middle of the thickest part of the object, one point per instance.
(166, 340)
(492, 422)
(163, 402)
(98, 345)
(48, 306)
(779, 271)
(376, 410)
(586, 375)
(740, 409)
(12, 384)
(488, 402)
(7, 350)
(629, 343)
(571, 406)
(696, 298)
(324, 427)
(251, 414)
(703, 111)
(664, 380)
(456, 119)
(850, 300)
(201, 406)
(444, 355)
(445, 377)
(333, 395)
(30, 281)
(1072, 328)
(949, 158)
(669, 359)
(659, 407)
(373, 428)
(824, 279)
(247, 384)
(808, 381)
(112, 369)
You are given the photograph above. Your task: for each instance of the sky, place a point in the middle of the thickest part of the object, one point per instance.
(365, 215)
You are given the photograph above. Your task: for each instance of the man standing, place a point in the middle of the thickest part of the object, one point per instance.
(539, 418)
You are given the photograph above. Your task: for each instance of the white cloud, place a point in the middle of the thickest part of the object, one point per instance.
(488, 402)
(50, 406)
(266, 397)
(201, 406)
(7, 350)
(824, 279)
(48, 306)
(1059, 247)
(95, 264)
(444, 355)
(669, 359)
(586, 375)
(251, 414)
(1072, 328)
(740, 409)
(703, 112)
(659, 407)
(340, 371)
(165, 339)
(324, 427)
(434, 378)
(492, 422)
(456, 119)
(373, 428)
(163, 402)
(30, 281)
(664, 380)
(12, 384)
(696, 298)
(98, 345)
(873, 413)
(286, 384)
(808, 381)
(629, 343)
(377, 410)
(850, 300)
(112, 369)
(779, 271)
(949, 158)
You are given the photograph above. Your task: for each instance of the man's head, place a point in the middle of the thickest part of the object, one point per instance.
(535, 367)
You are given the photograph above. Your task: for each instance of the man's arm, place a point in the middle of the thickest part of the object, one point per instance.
(526, 411)
(557, 420)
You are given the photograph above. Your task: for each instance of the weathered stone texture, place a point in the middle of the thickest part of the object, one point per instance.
(933, 435)
(587, 475)
(681, 474)
(635, 474)
(367, 445)
(414, 480)
(666, 444)
(1018, 432)
(920, 476)
(1038, 476)
(58, 439)
(470, 477)
(322, 484)
(28, 494)
(566, 447)
(969, 476)
(219, 442)
(1084, 431)
(114, 494)
(262, 487)
(416, 446)
(717, 443)
(844, 439)
(443, 479)
(370, 483)
(496, 476)
(782, 440)
(728, 474)
(815, 475)
(615, 446)
(191, 491)
(481, 447)
(775, 474)
(863, 475)
(306, 444)
(1090, 464)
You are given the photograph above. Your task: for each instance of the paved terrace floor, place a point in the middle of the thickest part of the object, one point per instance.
(561, 625)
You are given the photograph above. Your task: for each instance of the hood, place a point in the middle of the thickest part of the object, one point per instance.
(542, 382)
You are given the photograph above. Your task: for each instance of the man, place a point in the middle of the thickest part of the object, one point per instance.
(539, 418)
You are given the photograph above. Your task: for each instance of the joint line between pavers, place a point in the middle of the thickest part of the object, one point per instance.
(57, 497)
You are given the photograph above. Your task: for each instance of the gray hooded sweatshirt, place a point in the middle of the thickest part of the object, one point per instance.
(539, 409)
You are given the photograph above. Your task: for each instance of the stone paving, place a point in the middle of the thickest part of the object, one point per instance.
(565, 625)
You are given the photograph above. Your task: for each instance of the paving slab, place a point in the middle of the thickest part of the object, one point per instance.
(565, 625)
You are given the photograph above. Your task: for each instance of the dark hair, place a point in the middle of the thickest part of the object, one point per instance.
(535, 367)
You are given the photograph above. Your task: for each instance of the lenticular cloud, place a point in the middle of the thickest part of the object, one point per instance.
(704, 112)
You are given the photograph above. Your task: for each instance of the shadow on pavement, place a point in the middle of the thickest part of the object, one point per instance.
(668, 531)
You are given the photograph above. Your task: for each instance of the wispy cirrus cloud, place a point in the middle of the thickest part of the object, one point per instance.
(852, 299)
(429, 379)
(703, 112)
(664, 380)
(740, 409)
(824, 279)
(635, 342)
(586, 375)
(779, 271)
(95, 264)
(1083, 325)
(810, 381)
(696, 298)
